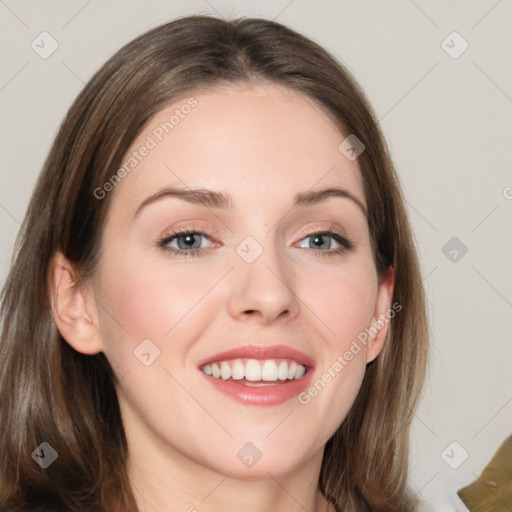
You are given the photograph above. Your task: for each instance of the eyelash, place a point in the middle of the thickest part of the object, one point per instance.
(345, 243)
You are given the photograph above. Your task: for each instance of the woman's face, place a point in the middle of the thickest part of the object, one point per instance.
(236, 343)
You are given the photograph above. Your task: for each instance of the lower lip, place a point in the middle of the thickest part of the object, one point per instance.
(263, 395)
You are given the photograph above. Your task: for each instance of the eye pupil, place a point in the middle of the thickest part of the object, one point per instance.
(189, 240)
(318, 240)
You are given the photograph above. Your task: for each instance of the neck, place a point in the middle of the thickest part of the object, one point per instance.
(167, 480)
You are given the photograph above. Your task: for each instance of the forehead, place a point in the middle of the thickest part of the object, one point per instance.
(260, 143)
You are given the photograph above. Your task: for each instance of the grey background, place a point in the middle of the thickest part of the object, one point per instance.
(447, 121)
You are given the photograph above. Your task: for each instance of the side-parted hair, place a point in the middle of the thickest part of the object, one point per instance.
(51, 393)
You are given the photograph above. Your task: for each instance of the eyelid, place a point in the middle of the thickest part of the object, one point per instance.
(323, 229)
(340, 237)
(208, 232)
(175, 233)
(171, 233)
(330, 230)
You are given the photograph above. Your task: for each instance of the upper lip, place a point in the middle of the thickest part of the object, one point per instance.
(261, 352)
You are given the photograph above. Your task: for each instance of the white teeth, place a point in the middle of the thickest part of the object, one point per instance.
(300, 371)
(225, 370)
(292, 369)
(269, 371)
(254, 370)
(215, 370)
(282, 372)
(237, 372)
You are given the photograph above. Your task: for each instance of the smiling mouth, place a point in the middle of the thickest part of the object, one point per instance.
(255, 372)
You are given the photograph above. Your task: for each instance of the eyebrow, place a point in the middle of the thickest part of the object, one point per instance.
(213, 199)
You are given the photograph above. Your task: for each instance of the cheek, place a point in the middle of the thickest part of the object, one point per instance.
(143, 301)
(148, 301)
(343, 300)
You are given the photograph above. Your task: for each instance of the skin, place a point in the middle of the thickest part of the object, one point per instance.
(261, 144)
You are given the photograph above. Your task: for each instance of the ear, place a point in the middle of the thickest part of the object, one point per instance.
(73, 307)
(382, 314)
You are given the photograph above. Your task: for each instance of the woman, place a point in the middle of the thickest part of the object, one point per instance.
(215, 298)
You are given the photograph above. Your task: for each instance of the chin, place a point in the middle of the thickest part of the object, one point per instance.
(260, 459)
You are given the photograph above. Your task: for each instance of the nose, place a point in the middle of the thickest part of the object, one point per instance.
(262, 291)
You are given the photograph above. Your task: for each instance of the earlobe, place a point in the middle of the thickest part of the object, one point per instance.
(382, 315)
(72, 309)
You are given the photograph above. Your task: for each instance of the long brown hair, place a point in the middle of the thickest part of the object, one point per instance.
(51, 393)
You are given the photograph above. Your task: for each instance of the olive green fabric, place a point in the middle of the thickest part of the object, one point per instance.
(492, 491)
